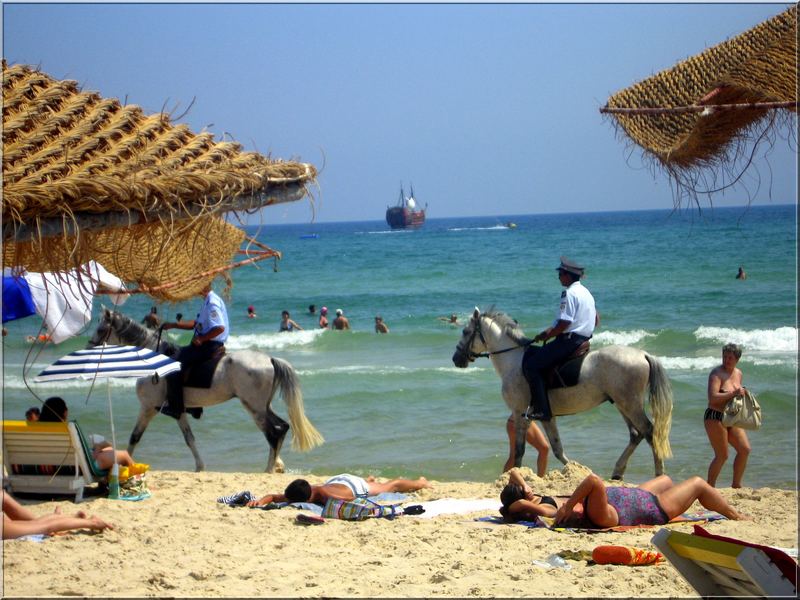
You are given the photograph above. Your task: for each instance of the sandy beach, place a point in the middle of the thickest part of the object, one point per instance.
(181, 542)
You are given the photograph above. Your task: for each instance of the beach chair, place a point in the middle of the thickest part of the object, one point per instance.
(48, 458)
(718, 566)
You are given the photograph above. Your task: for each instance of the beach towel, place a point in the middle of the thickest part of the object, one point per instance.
(702, 516)
(457, 506)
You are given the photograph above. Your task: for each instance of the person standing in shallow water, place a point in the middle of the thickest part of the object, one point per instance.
(151, 319)
(380, 326)
(340, 322)
(323, 317)
(741, 274)
(725, 383)
(287, 324)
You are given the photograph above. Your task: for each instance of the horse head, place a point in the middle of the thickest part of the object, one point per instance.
(471, 343)
(105, 331)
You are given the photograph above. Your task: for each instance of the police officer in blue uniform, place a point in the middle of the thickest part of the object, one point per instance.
(211, 329)
(575, 323)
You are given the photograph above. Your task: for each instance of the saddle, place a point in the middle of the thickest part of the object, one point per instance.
(565, 373)
(200, 375)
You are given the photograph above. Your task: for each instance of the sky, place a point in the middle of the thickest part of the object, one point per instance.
(488, 110)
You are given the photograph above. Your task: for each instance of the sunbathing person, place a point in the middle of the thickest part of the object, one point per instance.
(340, 487)
(654, 502)
(19, 521)
(55, 410)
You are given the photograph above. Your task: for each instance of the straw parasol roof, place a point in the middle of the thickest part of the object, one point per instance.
(682, 116)
(85, 177)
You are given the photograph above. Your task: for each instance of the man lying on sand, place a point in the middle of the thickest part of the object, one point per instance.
(340, 487)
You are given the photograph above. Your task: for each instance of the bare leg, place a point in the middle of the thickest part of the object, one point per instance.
(718, 436)
(105, 458)
(397, 485)
(680, 497)
(535, 438)
(658, 485)
(595, 502)
(737, 437)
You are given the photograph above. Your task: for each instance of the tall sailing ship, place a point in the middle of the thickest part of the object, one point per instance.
(405, 214)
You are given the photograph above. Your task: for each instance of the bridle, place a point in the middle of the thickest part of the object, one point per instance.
(479, 332)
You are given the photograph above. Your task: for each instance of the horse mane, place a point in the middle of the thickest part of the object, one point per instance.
(141, 335)
(509, 326)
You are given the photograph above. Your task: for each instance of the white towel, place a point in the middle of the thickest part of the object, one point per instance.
(457, 506)
(64, 300)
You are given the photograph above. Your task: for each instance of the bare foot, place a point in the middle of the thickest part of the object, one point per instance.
(424, 482)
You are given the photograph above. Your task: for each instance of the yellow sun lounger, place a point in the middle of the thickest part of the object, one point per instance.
(727, 567)
(49, 458)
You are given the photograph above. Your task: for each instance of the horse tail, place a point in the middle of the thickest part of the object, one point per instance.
(304, 435)
(661, 405)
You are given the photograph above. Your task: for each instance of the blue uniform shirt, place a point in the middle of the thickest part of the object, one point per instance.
(213, 314)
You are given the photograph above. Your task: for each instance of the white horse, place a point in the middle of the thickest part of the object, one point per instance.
(616, 373)
(251, 376)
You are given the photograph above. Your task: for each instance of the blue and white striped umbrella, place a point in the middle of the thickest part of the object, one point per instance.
(109, 361)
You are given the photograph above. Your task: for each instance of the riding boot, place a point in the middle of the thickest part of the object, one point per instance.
(539, 408)
(174, 406)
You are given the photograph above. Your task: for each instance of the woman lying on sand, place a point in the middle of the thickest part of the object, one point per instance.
(340, 487)
(654, 502)
(19, 521)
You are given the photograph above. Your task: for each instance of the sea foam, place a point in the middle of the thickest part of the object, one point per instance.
(623, 338)
(767, 341)
(273, 341)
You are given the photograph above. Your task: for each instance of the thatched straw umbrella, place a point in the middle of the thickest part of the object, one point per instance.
(694, 115)
(87, 178)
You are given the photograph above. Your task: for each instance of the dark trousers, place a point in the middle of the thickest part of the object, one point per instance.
(537, 361)
(188, 356)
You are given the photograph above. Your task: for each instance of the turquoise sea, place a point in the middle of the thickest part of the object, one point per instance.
(395, 404)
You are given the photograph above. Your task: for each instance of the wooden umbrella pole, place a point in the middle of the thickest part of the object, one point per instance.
(695, 108)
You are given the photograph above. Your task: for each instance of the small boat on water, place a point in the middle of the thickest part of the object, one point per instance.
(405, 214)
(511, 225)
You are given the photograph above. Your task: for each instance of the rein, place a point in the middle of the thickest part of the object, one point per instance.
(479, 332)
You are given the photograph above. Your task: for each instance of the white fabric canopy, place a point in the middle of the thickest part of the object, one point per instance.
(64, 300)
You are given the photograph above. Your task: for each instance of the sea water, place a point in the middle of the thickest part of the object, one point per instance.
(395, 405)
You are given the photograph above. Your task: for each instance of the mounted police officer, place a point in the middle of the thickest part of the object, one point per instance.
(575, 323)
(211, 329)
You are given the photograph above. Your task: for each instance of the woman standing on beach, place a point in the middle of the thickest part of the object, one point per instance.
(725, 383)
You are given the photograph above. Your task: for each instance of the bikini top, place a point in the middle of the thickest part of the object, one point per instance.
(548, 500)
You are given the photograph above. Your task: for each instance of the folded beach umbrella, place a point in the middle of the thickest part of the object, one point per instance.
(109, 361)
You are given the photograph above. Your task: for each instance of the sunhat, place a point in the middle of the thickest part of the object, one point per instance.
(324, 310)
(338, 312)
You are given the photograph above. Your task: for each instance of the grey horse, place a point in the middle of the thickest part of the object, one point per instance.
(251, 376)
(616, 373)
